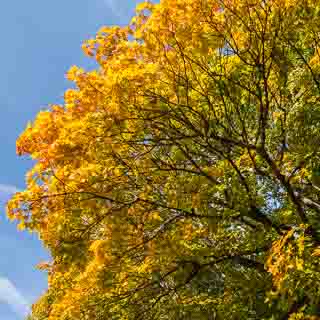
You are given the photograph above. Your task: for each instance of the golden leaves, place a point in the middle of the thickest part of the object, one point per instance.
(147, 5)
(153, 161)
(73, 73)
(100, 250)
(316, 252)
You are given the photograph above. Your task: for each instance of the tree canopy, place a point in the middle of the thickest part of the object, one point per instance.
(181, 178)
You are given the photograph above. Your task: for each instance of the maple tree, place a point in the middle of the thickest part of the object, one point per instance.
(180, 180)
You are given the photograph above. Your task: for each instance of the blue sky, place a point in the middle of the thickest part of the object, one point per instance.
(40, 41)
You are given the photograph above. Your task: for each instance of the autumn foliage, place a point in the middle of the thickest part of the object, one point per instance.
(181, 179)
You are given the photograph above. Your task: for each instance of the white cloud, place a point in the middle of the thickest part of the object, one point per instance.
(8, 189)
(115, 9)
(10, 294)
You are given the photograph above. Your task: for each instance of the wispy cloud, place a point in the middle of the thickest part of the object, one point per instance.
(8, 189)
(12, 296)
(114, 7)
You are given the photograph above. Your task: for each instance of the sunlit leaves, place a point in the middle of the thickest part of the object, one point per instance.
(179, 180)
